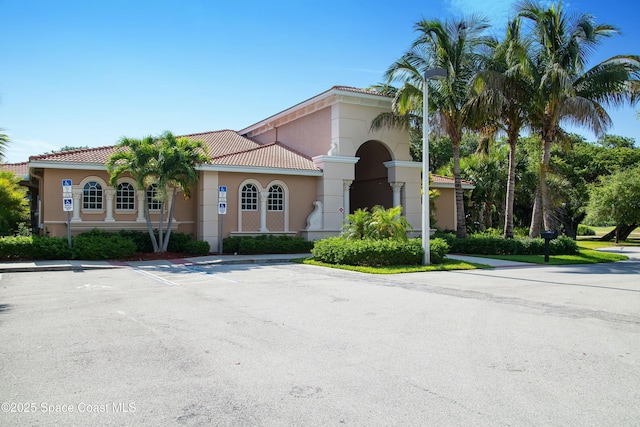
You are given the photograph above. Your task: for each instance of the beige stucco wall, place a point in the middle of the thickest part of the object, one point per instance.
(54, 218)
(300, 194)
(445, 209)
(310, 135)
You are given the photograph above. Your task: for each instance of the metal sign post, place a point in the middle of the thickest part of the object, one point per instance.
(67, 205)
(222, 211)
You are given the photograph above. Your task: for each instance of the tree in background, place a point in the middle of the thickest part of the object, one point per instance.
(616, 198)
(14, 209)
(165, 161)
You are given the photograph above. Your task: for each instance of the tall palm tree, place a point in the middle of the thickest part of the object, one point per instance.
(454, 46)
(505, 87)
(166, 161)
(565, 89)
(4, 143)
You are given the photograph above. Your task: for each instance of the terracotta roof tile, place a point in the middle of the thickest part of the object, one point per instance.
(19, 169)
(85, 155)
(225, 147)
(447, 180)
(274, 155)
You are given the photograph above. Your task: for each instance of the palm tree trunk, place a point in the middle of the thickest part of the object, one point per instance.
(165, 245)
(461, 225)
(160, 230)
(536, 215)
(544, 188)
(511, 190)
(152, 235)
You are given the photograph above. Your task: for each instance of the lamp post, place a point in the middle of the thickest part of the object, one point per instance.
(432, 74)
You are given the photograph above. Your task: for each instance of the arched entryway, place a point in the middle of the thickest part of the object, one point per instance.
(371, 185)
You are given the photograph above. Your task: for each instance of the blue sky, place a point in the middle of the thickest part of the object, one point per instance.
(78, 73)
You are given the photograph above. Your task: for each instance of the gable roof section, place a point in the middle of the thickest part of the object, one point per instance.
(228, 150)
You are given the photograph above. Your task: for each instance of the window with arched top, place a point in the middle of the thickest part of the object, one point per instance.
(92, 196)
(249, 198)
(152, 198)
(125, 197)
(275, 201)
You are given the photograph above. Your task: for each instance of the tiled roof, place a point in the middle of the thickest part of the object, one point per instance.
(225, 147)
(363, 91)
(274, 155)
(439, 179)
(19, 169)
(85, 155)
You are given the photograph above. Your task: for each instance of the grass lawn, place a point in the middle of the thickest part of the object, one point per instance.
(585, 256)
(448, 264)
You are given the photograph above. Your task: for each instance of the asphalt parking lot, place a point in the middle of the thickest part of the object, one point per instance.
(290, 344)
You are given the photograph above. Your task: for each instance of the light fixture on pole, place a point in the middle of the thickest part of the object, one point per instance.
(432, 74)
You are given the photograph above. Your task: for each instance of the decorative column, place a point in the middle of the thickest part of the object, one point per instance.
(264, 195)
(109, 194)
(77, 199)
(140, 195)
(397, 188)
(346, 186)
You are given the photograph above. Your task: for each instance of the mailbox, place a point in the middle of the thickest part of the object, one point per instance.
(548, 235)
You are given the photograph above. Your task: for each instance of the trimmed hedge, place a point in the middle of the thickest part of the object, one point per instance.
(265, 244)
(94, 245)
(488, 245)
(101, 245)
(372, 253)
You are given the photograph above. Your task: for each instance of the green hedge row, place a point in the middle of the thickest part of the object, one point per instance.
(94, 245)
(369, 252)
(487, 245)
(265, 244)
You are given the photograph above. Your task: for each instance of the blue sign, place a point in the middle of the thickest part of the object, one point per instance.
(222, 188)
(67, 204)
(66, 183)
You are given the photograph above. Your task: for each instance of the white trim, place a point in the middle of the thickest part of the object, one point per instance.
(451, 185)
(335, 159)
(402, 164)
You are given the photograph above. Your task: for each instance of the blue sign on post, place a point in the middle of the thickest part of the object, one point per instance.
(67, 204)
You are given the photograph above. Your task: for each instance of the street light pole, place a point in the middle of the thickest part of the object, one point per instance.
(432, 74)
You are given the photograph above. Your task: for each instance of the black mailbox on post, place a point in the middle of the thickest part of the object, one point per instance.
(548, 235)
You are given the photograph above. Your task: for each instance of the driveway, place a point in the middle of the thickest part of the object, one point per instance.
(288, 344)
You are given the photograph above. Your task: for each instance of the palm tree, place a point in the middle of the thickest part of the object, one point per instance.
(454, 46)
(4, 143)
(565, 90)
(167, 162)
(505, 88)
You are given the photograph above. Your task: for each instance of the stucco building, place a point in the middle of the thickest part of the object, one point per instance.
(299, 172)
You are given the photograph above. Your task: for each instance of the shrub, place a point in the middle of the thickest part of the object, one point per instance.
(141, 239)
(583, 230)
(368, 252)
(265, 244)
(439, 249)
(196, 247)
(51, 248)
(16, 247)
(487, 245)
(101, 245)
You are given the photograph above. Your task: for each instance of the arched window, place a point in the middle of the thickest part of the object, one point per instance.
(125, 197)
(249, 198)
(152, 194)
(275, 202)
(92, 196)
